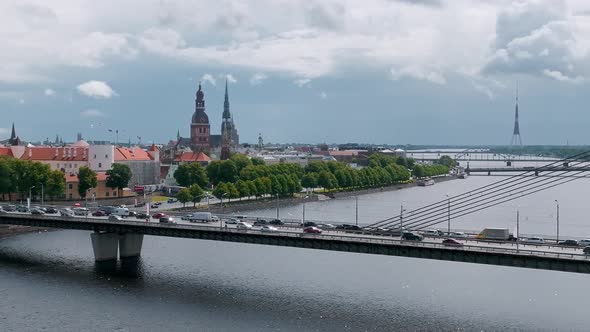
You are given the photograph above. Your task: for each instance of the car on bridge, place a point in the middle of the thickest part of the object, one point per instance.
(66, 212)
(277, 222)
(267, 228)
(410, 236)
(232, 221)
(22, 208)
(458, 235)
(9, 208)
(51, 210)
(260, 222)
(142, 215)
(432, 233)
(186, 217)
(99, 213)
(167, 219)
(568, 243)
(243, 226)
(114, 217)
(584, 243)
(312, 230)
(37, 211)
(326, 226)
(533, 240)
(452, 243)
(586, 250)
(158, 215)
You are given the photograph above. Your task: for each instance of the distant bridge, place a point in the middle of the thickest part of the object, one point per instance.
(537, 171)
(126, 238)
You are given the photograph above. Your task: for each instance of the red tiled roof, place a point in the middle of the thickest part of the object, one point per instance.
(123, 154)
(61, 153)
(5, 151)
(71, 177)
(192, 157)
(153, 148)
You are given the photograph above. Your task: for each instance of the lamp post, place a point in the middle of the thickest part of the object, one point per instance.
(42, 191)
(557, 239)
(30, 197)
(303, 220)
(401, 220)
(277, 205)
(448, 215)
(517, 227)
(221, 198)
(356, 198)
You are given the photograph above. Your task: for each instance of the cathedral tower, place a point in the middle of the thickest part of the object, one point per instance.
(200, 129)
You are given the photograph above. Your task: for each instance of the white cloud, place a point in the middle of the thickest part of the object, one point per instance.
(21, 101)
(49, 92)
(96, 89)
(257, 78)
(4, 131)
(230, 78)
(208, 78)
(557, 75)
(92, 113)
(323, 95)
(301, 82)
(418, 73)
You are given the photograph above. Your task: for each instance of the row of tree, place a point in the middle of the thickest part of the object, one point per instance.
(22, 176)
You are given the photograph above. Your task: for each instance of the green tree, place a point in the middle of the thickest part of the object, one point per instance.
(86, 180)
(418, 171)
(197, 193)
(260, 187)
(342, 178)
(252, 188)
(184, 196)
(213, 171)
(188, 174)
(327, 180)
(118, 177)
(56, 184)
(310, 180)
(7, 184)
(220, 190)
(228, 172)
(243, 188)
(258, 162)
(240, 161)
(232, 191)
(276, 186)
(447, 161)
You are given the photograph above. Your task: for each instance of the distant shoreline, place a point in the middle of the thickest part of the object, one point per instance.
(11, 230)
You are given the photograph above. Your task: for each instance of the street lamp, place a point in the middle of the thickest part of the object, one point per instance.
(557, 202)
(30, 197)
(448, 215)
(303, 220)
(221, 198)
(41, 192)
(357, 210)
(401, 220)
(277, 205)
(517, 227)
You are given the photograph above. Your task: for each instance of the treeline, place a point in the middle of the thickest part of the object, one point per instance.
(560, 152)
(20, 176)
(241, 176)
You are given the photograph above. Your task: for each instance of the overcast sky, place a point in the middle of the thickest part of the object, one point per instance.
(373, 71)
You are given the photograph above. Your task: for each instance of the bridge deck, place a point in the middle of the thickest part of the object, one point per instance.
(538, 259)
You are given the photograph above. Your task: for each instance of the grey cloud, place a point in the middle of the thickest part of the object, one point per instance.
(36, 15)
(325, 17)
(435, 3)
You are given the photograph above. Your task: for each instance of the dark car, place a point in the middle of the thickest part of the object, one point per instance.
(452, 243)
(132, 214)
(99, 213)
(140, 204)
(309, 224)
(9, 208)
(260, 222)
(154, 206)
(141, 215)
(312, 229)
(411, 236)
(353, 228)
(568, 243)
(276, 222)
(51, 209)
(587, 250)
(172, 200)
(37, 211)
(22, 208)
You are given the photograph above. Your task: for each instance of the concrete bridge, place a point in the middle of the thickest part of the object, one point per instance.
(111, 240)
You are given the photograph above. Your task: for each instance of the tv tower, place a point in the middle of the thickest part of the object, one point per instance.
(516, 138)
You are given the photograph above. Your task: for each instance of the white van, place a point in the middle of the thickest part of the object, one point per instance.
(121, 212)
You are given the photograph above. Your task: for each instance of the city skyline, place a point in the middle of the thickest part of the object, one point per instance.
(333, 72)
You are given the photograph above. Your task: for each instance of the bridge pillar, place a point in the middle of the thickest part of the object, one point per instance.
(130, 245)
(105, 246)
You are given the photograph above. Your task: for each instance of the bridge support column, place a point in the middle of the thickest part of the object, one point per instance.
(130, 245)
(105, 246)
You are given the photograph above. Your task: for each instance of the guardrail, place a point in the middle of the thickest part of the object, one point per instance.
(326, 237)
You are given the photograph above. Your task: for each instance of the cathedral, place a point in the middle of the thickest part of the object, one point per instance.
(201, 139)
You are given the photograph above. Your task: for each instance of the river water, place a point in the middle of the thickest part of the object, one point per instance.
(49, 281)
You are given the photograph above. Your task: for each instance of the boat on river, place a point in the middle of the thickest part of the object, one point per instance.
(425, 182)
